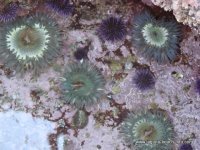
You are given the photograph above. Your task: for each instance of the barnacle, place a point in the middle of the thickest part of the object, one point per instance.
(144, 79)
(30, 43)
(62, 7)
(156, 39)
(8, 13)
(148, 130)
(83, 84)
(112, 29)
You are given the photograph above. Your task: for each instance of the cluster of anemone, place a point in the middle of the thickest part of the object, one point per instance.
(144, 79)
(62, 7)
(83, 84)
(156, 39)
(30, 43)
(112, 29)
(8, 13)
(148, 130)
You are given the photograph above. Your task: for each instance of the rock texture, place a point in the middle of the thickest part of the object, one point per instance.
(185, 11)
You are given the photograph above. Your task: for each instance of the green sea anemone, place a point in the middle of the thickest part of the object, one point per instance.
(83, 84)
(30, 43)
(148, 130)
(156, 39)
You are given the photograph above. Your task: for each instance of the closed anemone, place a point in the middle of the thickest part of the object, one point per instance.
(148, 130)
(30, 43)
(154, 35)
(83, 84)
(156, 39)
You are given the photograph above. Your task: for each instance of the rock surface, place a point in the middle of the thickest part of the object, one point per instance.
(185, 11)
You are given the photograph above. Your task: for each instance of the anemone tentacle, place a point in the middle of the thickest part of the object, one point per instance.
(30, 43)
(156, 39)
(83, 84)
(148, 130)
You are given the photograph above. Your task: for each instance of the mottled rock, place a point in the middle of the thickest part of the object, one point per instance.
(185, 11)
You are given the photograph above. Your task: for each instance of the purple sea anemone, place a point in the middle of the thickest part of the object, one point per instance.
(186, 147)
(144, 79)
(112, 29)
(8, 13)
(62, 7)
